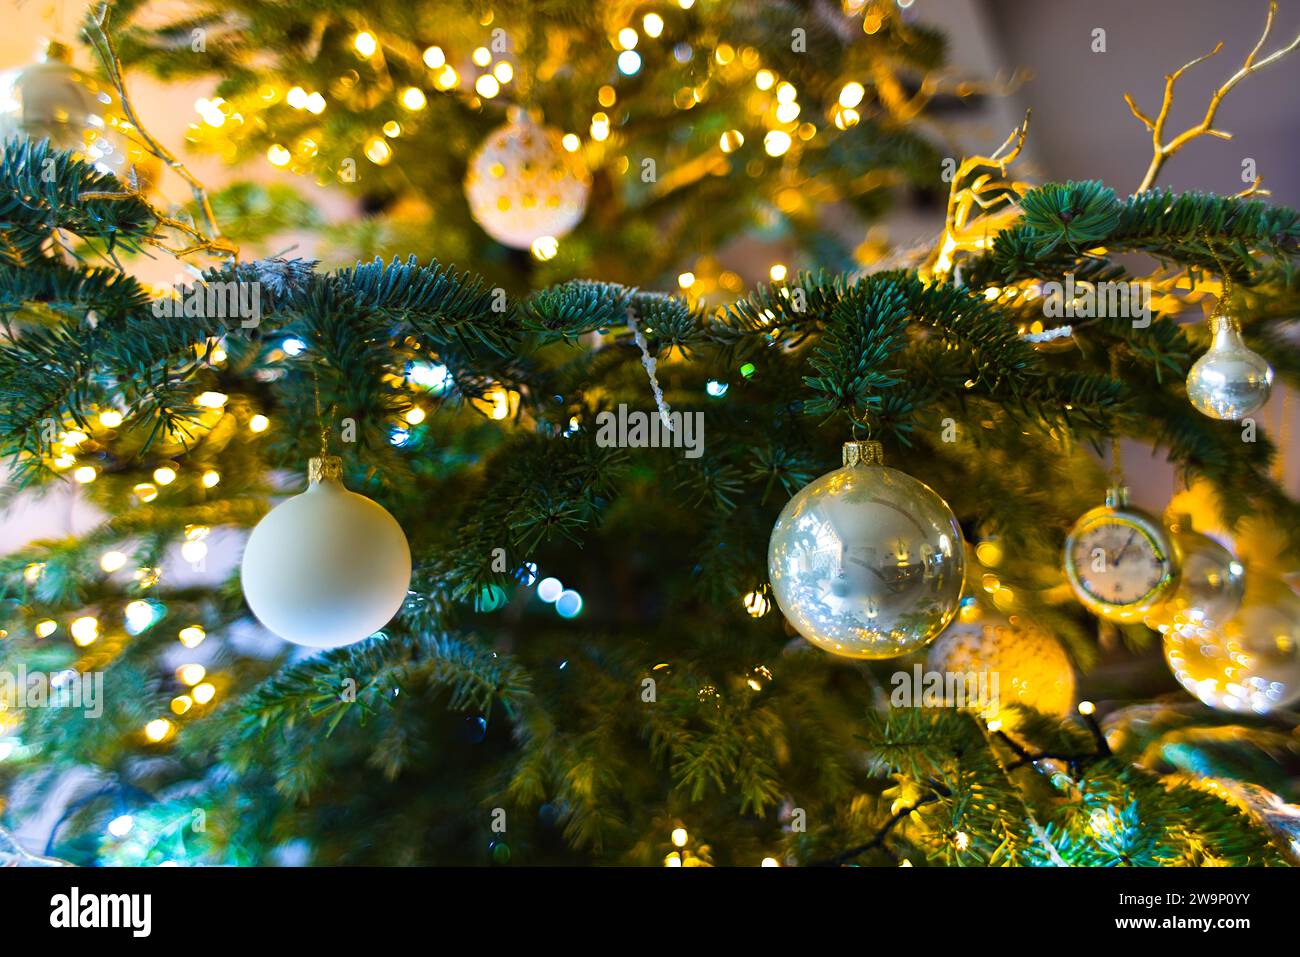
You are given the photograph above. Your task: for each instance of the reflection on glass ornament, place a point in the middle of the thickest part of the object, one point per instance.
(1211, 580)
(1251, 662)
(866, 561)
(1231, 380)
(523, 185)
(1012, 660)
(53, 100)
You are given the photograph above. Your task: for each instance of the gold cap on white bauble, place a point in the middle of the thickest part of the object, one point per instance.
(328, 567)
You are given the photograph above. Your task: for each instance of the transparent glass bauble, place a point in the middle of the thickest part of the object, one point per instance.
(867, 562)
(1231, 380)
(1250, 663)
(1211, 581)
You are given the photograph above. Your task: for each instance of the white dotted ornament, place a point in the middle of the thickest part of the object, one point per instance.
(523, 185)
(1031, 666)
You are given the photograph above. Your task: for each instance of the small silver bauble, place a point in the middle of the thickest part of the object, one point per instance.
(1231, 380)
(866, 561)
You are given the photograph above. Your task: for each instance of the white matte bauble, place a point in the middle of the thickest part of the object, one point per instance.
(328, 567)
(522, 184)
(1231, 380)
(866, 561)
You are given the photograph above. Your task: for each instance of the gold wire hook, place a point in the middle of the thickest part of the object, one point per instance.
(1220, 310)
(1116, 457)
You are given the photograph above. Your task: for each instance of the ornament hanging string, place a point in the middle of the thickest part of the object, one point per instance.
(325, 423)
(648, 362)
(1220, 311)
(1116, 455)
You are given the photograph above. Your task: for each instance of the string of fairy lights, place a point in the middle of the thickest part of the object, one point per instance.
(781, 120)
(482, 76)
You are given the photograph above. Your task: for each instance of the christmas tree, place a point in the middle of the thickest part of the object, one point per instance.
(573, 569)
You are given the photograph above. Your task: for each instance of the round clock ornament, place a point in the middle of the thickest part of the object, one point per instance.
(1120, 560)
(866, 561)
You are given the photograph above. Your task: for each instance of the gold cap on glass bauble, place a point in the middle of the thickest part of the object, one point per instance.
(1231, 380)
(324, 468)
(866, 561)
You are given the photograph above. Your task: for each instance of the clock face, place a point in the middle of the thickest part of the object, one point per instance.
(1119, 564)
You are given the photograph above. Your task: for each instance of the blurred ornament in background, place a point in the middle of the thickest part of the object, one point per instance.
(1028, 664)
(328, 567)
(1249, 663)
(866, 561)
(523, 185)
(500, 852)
(474, 728)
(53, 100)
(1231, 380)
(12, 855)
(1280, 819)
(1211, 580)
